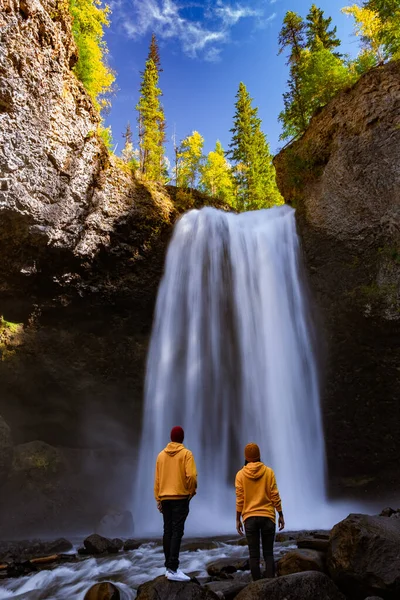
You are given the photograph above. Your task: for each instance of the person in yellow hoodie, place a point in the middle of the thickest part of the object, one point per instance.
(175, 484)
(257, 499)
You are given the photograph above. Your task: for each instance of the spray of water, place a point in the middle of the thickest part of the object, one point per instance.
(232, 360)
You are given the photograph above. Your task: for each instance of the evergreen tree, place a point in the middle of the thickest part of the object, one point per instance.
(253, 170)
(190, 156)
(216, 175)
(150, 116)
(292, 36)
(317, 29)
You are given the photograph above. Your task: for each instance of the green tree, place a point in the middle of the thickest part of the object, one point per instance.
(317, 30)
(216, 175)
(190, 156)
(253, 170)
(294, 117)
(150, 116)
(89, 18)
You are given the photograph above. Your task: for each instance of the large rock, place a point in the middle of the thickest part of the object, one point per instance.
(226, 566)
(364, 556)
(25, 550)
(6, 450)
(103, 591)
(227, 590)
(296, 561)
(162, 589)
(97, 544)
(343, 177)
(310, 585)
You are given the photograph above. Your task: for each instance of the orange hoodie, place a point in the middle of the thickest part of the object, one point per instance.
(175, 475)
(257, 494)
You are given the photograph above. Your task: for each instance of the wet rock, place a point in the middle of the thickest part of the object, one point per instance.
(364, 558)
(6, 450)
(310, 585)
(97, 544)
(162, 589)
(227, 590)
(313, 543)
(27, 549)
(297, 561)
(201, 544)
(116, 523)
(389, 512)
(103, 591)
(131, 545)
(225, 566)
(115, 546)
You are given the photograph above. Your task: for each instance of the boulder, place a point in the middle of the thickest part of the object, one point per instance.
(6, 450)
(131, 545)
(162, 589)
(28, 549)
(313, 543)
(297, 561)
(97, 544)
(364, 557)
(227, 590)
(389, 512)
(310, 585)
(116, 523)
(225, 566)
(103, 591)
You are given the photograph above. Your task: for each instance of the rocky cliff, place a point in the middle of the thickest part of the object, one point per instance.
(82, 246)
(343, 177)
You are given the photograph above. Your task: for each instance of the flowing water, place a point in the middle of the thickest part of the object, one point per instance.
(233, 360)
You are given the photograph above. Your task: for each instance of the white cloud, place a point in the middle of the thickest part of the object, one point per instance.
(168, 19)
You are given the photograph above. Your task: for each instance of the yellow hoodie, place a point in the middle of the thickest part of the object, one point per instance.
(257, 494)
(175, 475)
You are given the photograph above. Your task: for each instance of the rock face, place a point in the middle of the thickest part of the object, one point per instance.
(311, 585)
(6, 450)
(364, 558)
(343, 177)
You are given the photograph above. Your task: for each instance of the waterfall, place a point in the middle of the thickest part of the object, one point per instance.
(232, 360)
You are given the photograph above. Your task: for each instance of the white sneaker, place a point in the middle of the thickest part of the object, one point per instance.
(177, 575)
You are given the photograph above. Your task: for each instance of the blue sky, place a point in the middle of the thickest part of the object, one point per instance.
(207, 47)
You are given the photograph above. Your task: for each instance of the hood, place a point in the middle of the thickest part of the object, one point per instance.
(254, 470)
(173, 448)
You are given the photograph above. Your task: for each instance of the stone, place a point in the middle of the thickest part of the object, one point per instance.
(131, 545)
(103, 591)
(310, 585)
(296, 561)
(364, 558)
(6, 450)
(97, 544)
(389, 512)
(201, 544)
(227, 590)
(27, 549)
(116, 523)
(225, 566)
(312, 543)
(162, 589)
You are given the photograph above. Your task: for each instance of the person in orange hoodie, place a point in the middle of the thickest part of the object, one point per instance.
(175, 484)
(257, 499)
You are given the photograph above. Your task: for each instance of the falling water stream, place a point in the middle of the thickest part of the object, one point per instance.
(233, 360)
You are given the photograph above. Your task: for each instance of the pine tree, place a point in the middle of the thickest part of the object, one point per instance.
(318, 30)
(292, 37)
(190, 156)
(253, 169)
(216, 176)
(150, 116)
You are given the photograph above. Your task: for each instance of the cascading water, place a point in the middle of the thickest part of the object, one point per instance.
(232, 360)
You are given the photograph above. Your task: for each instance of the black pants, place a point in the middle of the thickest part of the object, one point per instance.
(174, 514)
(255, 528)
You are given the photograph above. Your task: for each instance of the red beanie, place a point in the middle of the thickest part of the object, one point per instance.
(177, 434)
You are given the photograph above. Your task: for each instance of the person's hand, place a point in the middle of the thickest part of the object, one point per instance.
(239, 527)
(281, 522)
(159, 506)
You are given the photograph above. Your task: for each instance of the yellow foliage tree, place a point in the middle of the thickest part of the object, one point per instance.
(89, 18)
(368, 26)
